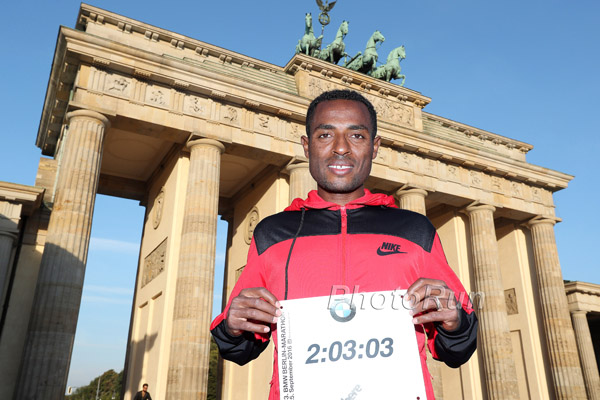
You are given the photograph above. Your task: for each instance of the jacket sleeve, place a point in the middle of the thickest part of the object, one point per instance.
(452, 347)
(456, 347)
(248, 346)
(239, 349)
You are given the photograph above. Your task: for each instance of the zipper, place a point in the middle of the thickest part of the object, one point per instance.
(344, 231)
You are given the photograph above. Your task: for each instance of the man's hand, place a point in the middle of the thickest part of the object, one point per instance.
(253, 310)
(433, 301)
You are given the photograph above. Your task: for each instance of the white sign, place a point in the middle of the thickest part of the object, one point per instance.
(348, 347)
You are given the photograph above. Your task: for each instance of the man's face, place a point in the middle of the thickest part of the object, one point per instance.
(145, 388)
(340, 150)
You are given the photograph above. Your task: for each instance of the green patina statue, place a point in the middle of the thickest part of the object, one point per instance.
(362, 62)
(391, 69)
(309, 43)
(325, 8)
(335, 50)
(365, 63)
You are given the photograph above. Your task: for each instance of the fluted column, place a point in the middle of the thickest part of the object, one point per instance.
(301, 181)
(560, 339)
(413, 199)
(496, 345)
(60, 281)
(190, 340)
(10, 214)
(7, 240)
(586, 354)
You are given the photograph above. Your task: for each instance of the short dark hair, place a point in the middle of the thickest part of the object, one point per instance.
(145, 384)
(344, 94)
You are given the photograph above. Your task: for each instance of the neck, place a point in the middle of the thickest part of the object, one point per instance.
(341, 198)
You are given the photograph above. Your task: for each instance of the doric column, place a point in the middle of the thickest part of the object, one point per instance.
(10, 214)
(496, 345)
(7, 240)
(560, 339)
(190, 341)
(60, 281)
(586, 354)
(301, 181)
(413, 199)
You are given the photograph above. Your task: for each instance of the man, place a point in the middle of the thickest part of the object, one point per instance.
(334, 237)
(143, 394)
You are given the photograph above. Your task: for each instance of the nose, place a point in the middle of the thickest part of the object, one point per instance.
(341, 146)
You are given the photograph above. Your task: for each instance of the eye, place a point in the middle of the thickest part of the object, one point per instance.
(358, 136)
(324, 135)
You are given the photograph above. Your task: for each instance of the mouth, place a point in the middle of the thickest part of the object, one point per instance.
(340, 169)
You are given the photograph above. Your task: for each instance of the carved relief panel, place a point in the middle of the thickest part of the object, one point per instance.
(196, 106)
(154, 263)
(230, 114)
(251, 222)
(118, 85)
(158, 96)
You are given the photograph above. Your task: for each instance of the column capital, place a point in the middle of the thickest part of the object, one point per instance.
(407, 190)
(289, 168)
(89, 114)
(206, 142)
(478, 206)
(543, 219)
(10, 235)
(579, 312)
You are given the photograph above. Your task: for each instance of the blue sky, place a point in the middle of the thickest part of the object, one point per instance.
(524, 69)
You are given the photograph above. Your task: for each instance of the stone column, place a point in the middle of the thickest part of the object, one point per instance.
(494, 332)
(413, 199)
(586, 354)
(301, 181)
(60, 281)
(190, 341)
(560, 339)
(10, 214)
(7, 240)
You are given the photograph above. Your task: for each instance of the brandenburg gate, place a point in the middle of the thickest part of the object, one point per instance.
(196, 132)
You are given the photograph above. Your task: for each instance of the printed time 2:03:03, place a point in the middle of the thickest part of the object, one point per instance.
(350, 350)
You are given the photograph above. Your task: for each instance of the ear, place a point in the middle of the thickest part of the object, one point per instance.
(304, 140)
(376, 143)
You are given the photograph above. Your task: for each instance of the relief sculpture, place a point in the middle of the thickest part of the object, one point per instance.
(253, 220)
(231, 114)
(157, 96)
(193, 105)
(154, 263)
(118, 85)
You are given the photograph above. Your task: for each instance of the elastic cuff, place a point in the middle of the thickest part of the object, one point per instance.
(222, 329)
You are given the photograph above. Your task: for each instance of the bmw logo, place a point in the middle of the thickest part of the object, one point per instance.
(342, 310)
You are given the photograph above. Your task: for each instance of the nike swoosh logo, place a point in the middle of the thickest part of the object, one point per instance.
(387, 253)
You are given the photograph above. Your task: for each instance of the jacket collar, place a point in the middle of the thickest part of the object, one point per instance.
(314, 201)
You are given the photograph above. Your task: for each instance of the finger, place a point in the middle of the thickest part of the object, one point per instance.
(429, 297)
(263, 293)
(424, 287)
(254, 314)
(448, 318)
(254, 303)
(422, 282)
(239, 323)
(435, 303)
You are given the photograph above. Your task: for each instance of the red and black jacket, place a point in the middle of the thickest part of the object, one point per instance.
(369, 244)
